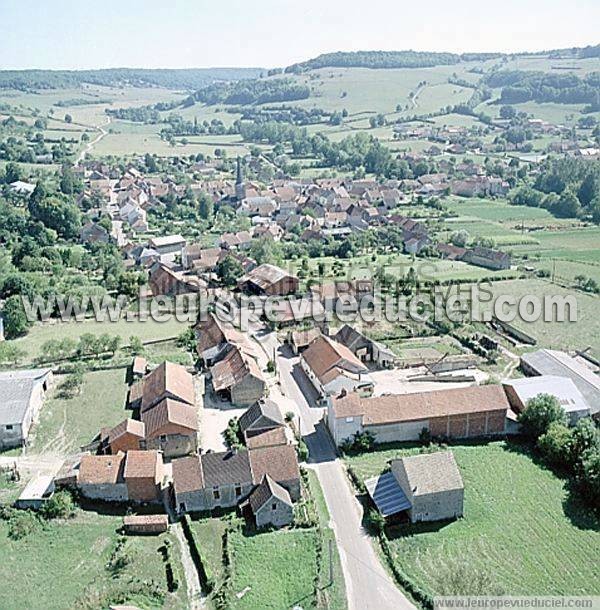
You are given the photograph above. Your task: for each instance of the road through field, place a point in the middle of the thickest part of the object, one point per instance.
(90, 145)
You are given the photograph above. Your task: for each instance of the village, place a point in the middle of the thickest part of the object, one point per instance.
(237, 428)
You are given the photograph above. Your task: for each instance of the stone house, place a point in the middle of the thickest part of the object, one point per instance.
(171, 427)
(270, 504)
(432, 484)
(332, 367)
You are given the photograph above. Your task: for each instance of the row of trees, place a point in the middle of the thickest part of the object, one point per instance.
(574, 450)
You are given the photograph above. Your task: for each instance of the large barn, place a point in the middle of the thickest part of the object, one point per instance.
(470, 412)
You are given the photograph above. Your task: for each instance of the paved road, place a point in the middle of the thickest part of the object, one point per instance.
(368, 585)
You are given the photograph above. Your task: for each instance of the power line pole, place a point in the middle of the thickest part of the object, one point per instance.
(330, 562)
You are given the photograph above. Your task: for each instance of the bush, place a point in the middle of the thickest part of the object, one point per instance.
(540, 412)
(374, 521)
(59, 506)
(302, 451)
(556, 445)
(425, 436)
(21, 524)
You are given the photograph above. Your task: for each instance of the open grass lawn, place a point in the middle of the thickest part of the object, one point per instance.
(521, 526)
(279, 567)
(66, 424)
(63, 565)
(557, 335)
(40, 333)
(208, 532)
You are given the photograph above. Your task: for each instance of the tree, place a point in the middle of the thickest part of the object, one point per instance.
(10, 353)
(556, 445)
(59, 506)
(588, 190)
(507, 112)
(135, 345)
(56, 214)
(12, 173)
(68, 118)
(15, 318)
(460, 238)
(539, 413)
(568, 205)
(206, 207)
(229, 270)
(591, 474)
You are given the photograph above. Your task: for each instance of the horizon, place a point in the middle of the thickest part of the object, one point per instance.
(199, 35)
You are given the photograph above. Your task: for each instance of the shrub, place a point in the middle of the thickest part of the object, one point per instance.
(60, 505)
(556, 445)
(425, 436)
(302, 451)
(21, 524)
(374, 521)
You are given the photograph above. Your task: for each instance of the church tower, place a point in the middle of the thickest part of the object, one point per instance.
(240, 188)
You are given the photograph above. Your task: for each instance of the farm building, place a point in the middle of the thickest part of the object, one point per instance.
(165, 281)
(124, 436)
(553, 362)
(169, 247)
(136, 476)
(238, 378)
(520, 391)
(427, 487)
(364, 348)
(36, 493)
(145, 524)
(301, 339)
(171, 426)
(21, 396)
(332, 367)
(168, 380)
(454, 413)
(268, 280)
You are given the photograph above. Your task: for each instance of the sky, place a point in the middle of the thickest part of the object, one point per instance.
(84, 34)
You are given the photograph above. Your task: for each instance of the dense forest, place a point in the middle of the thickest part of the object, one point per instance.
(251, 92)
(375, 59)
(566, 88)
(27, 80)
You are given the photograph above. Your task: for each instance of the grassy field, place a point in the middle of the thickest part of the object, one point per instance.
(277, 567)
(63, 565)
(40, 333)
(67, 423)
(520, 526)
(556, 335)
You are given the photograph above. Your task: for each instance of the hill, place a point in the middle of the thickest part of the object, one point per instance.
(193, 78)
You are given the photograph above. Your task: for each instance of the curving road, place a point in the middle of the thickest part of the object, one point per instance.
(90, 145)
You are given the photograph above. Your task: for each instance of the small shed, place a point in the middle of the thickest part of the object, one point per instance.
(145, 524)
(36, 493)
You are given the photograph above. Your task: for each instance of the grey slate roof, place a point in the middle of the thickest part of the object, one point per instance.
(265, 412)
(429, 473)
(16, 388)
(268, 489)
(226, 468)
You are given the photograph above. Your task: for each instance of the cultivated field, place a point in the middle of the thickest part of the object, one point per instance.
(521, 526)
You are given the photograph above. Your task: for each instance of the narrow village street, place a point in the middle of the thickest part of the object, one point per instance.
(368, 585)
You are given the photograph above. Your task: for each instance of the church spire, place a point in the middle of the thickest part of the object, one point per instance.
(240, 189)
